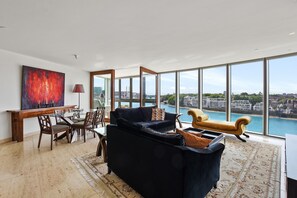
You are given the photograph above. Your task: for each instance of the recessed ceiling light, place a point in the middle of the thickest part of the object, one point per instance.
(292, 33)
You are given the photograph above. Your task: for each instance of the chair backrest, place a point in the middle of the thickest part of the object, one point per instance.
(99, 116)
(45, 123)
(89, 120)
(58, 114)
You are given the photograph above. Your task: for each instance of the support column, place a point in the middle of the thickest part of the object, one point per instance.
(265, 96)
(200, 88)
(228, 92)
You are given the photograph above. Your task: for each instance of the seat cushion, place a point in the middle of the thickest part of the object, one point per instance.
(60, 128)
(80, 124)
(61, 123)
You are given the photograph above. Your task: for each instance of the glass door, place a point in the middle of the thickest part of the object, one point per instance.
(102, 90)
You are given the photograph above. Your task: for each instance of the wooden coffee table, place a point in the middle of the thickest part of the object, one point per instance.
(101, 148)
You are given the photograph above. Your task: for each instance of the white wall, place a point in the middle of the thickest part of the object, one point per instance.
(10, 88)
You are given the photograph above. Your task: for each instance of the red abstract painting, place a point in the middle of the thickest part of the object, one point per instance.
(42, 88)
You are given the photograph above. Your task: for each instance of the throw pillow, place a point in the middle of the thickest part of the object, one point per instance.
(158, 114)
(194, 141)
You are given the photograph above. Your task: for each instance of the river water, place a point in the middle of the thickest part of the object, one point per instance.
(277, 126)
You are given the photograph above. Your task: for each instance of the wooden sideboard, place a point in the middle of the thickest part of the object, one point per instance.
(18, 116)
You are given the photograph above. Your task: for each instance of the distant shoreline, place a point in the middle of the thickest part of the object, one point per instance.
(276, 117)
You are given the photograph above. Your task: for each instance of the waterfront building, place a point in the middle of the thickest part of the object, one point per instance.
(214, 102)
(241, 104)
(190, 101)
(258, 106)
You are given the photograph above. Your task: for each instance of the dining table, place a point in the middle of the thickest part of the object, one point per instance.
(72, 117)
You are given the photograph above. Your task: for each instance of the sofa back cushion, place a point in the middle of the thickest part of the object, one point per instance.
(175, 139)
(147, 113)
(131, 114)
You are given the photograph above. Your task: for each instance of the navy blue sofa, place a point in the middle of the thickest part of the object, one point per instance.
(157, 164)
(143, 116)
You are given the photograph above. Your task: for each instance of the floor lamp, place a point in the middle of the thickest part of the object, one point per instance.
(78, 88)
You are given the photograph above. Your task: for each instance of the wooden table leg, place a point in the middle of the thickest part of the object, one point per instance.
(104, 149)
(17, 124)
(101, 147)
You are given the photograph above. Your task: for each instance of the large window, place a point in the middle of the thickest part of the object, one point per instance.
(247, 93)
(167, 96)
(282, 96)
(188, 93)
(135, 92)
(272, 99)
(116, 93)
(135, 88)
(149, 90)
(125, 88)
(214, 92)
(126, 98)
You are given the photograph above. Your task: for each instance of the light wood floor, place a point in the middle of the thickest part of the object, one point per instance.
(26, 171)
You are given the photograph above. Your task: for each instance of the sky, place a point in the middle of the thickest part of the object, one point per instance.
(247, 77)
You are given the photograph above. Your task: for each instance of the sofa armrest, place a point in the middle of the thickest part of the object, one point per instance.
(202, 170)
(197, 115)
(170, 116)
(113, 117)
(202, 118)
(245, 120)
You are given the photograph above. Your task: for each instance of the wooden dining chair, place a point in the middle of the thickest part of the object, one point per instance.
(99, 117)
(85, 125)
(46, 127)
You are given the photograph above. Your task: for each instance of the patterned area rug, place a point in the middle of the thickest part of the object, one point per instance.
(250, 169)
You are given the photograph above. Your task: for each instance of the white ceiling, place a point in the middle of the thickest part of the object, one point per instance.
(159, 34)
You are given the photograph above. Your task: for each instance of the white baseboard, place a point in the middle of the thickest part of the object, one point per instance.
(3, 141)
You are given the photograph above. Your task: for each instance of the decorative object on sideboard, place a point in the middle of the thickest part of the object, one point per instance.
(78, 88)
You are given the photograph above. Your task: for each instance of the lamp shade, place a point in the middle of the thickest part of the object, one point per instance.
(78, 88)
